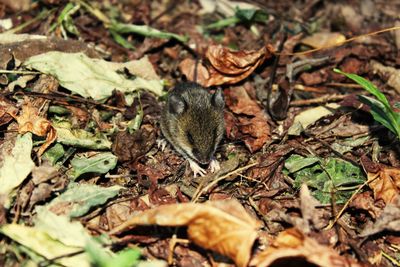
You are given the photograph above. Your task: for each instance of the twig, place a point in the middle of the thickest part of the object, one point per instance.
(338, 154)
(43, 14)
(210, 185)
(350, 199)
(348, 85)
(19, 72)
(58, 96)
(318, 100)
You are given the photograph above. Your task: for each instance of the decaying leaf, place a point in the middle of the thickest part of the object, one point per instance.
(291, 246)
(388, 74)
(80, 137)
(99, 163)
(388, 220)
(31, 121)
(323, 39)
(226, 66)
(16, 163)
(309, 116)
(7, 111)
(41, 243)
(223, 226)
(387, 185)
(254, 125)
(329, 178)
(86, 76)
(79, 198)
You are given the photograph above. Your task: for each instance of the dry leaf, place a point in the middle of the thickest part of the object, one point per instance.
(188, 67)
(255, 128)
(222, 226)
(30, 121)
(388, 220)
(226, 66)
(7, 111)
(323, 39)
(387, 185)
(292, 245)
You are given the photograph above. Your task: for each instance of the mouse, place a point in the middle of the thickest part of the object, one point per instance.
(192, 121)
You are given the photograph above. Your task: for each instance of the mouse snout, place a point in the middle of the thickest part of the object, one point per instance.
(202, 158)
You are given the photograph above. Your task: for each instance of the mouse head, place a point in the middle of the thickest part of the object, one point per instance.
(199, 122)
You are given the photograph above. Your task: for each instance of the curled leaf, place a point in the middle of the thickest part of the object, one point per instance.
(226, 66)
(223, 226)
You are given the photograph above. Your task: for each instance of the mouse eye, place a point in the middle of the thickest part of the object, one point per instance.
(190, 138)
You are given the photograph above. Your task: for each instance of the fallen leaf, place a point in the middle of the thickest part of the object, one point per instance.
(364, 201)
(30, 121)
(78, 199)
(226, 7)
(310, 116)
(388, 74)
(387, 184)
(41, 243)
(291, 245)
(253, 126)
(226, 66)
(323, 39)
(99, 163)
(128, 147)
(7, 111)
(86, 76)
(389, 220)
(223, 226)
(80, 137)
(16, 163)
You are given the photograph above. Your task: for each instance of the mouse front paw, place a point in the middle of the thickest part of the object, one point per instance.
(214, 165)
(161, 144)
(197, 170)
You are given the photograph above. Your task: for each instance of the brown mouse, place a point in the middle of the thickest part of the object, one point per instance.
(193, 122)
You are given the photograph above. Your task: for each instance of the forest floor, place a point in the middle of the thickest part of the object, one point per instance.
(310, 159)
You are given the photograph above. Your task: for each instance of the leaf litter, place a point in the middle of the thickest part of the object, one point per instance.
(310, 160)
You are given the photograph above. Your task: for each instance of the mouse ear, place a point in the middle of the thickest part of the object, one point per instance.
(217, 99)
(176, 104)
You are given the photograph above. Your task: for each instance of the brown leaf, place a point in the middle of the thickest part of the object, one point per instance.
(292, 245)
(7, 111)
(226, 66)
(389, 220)
(223, 226)
(129, 147)
(364, 201)
(188, 68)
(386, 186)
(322, 39)
(255, 129)
(30, 121)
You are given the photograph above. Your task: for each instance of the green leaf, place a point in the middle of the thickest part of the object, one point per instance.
(100, 163)
(379, 112)
(367, 85)
(80, 198)
(80, 138)
(59, 227)
(16, 164)
(297, 162)
(380, 108)
(41, 243)
(54, 153)
(125, 258)
(145, 31)
(121, 40)
(89, 77)
(325, 177)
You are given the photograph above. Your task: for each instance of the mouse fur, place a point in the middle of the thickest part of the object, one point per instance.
(193, 121)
